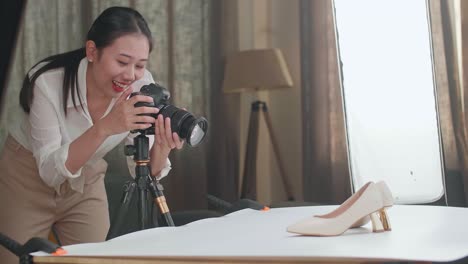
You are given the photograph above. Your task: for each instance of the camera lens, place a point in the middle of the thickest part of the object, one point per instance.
(196, 130)
(197, 134)
(192, 129)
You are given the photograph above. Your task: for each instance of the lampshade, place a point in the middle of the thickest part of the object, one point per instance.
(256, 70)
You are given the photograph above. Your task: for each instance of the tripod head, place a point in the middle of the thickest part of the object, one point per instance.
(139, 150)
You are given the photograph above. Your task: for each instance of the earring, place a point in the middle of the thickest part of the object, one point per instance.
(90, 60)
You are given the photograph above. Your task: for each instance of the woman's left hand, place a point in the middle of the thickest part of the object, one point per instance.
(165, 139)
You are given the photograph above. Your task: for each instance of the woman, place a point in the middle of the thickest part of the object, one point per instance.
(77, 108)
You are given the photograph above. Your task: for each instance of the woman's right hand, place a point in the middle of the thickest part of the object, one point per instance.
(124, 116)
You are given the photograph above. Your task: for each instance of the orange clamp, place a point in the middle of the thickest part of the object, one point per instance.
(59, 252)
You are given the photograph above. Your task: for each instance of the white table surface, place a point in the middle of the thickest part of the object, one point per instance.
(419, 233)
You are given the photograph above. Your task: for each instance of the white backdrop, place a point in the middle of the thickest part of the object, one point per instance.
(389, 96)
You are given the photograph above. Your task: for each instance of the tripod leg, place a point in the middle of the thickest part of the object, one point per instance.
(279, 161)
(157, 192)
(154, 213)
(143, 209)
(116, 225)
(249, 180)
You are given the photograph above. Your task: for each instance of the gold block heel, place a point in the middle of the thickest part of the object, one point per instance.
(384, 219)
(376, 223)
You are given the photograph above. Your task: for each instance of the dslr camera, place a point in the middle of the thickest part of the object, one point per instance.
(186, 125)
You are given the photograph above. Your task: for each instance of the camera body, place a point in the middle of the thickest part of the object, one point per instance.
(160, 97)
(192, 129)
(159, 94)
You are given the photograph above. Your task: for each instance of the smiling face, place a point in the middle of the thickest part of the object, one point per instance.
(115, 67)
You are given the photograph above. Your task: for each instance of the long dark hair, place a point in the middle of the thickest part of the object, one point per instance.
(111, 24)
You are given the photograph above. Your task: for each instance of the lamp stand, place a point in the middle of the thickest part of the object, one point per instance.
(249, 179)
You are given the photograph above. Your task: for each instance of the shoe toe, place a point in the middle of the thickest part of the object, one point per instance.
(310, 226)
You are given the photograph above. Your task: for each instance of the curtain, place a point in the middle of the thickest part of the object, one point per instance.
(180, 61)
(223, 170)
(325, 163)
(54, 34)
(447, 87)
(451, 72)
(460, 95)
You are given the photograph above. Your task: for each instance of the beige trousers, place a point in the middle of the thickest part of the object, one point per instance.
(29, 208)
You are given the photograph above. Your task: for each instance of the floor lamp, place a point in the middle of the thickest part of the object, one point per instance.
(254, 70)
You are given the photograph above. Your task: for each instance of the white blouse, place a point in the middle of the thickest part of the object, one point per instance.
(47, 132)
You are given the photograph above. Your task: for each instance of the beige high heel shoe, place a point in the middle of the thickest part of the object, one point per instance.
(366, 202)
(383, 215)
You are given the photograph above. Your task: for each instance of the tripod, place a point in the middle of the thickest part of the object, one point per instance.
(249, 181)
(145, 183)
